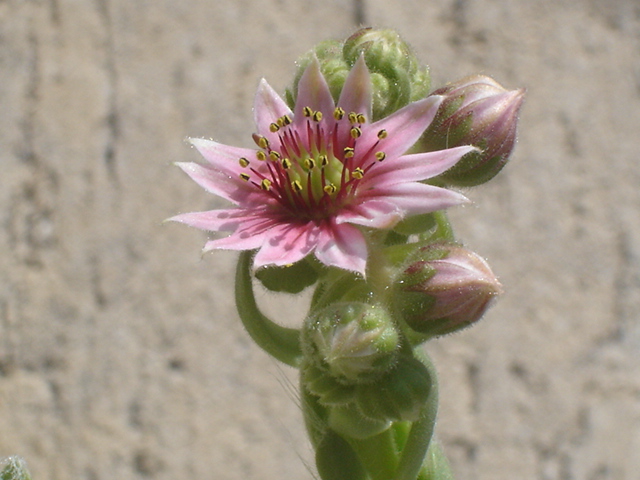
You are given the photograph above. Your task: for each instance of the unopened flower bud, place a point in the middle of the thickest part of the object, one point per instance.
(476, 111)
(353, 342)
(445, 289)
(14, 468)
(396, 75)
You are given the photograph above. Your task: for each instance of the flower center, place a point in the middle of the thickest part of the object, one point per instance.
(315, 167)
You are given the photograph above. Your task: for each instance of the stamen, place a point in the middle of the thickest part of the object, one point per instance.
(261, 141)
(324, 161)
(349, 152)
(382, 134)
(338, 113)
(309, 163)
(286, 120)
(307, 112)
(265, 184)
(380, 156)
(244, 163)
(297, 186)
(361, 118)
(353, 117)
(357, 173)
(317, 116)
(274, 156)
(355, 132)
(286, 163)
(260, 155)
(245, 176)
(274, 127)
(330, 188)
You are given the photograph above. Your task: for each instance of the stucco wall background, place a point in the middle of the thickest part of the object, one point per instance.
(120, 352)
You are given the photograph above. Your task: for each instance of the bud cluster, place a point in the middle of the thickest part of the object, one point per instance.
(396, 75)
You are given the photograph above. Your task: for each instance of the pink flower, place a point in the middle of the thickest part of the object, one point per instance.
(321, 175)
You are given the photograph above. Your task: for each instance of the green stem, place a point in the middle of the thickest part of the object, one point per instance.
(280, 342)
(415, 450)
(377, 454)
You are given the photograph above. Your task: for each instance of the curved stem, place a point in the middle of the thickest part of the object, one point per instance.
(280, 342)
(415, 450)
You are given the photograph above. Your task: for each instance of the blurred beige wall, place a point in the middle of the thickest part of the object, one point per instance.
(120, 352)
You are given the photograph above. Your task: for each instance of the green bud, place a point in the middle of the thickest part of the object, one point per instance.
(396, 75)
(352, 341)
(14, 468)
(475, 111)
(444, 289)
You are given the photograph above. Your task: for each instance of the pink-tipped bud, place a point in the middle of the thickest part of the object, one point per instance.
(445, 289)
(476, 111)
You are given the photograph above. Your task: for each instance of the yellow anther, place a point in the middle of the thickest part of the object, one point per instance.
(338, 113)
(286, 120)
(307, 112)
(330, 188)
(380, 156)
(265, 184)
(382, 134)
(361, 118)
(286, 163)
(280, 122)
(296, 185)
(357, 173)
(353, 117)
(273, 155)
(263, 142)
(245, 176)
(355, 132)
(317, 116)
(244, 163)
(349, 152)
(274, 127)
(309, 163)
(324, 161)
(260, 155)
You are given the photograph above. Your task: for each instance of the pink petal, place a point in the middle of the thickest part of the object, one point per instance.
(221, 184)
(236, 241)
(342, 246)
(222, 157)
(287, 244)
(403, 127)
(212, 220)
(313, 92)
(415, 198)
(356, 92)
(415, 167)
(373, 213)
(268, 107)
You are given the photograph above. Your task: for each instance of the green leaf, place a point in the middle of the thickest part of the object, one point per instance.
(290, 279)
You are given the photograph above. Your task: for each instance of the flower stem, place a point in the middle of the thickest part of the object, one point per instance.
(377, 454)
(415, 450)
(280, 342)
